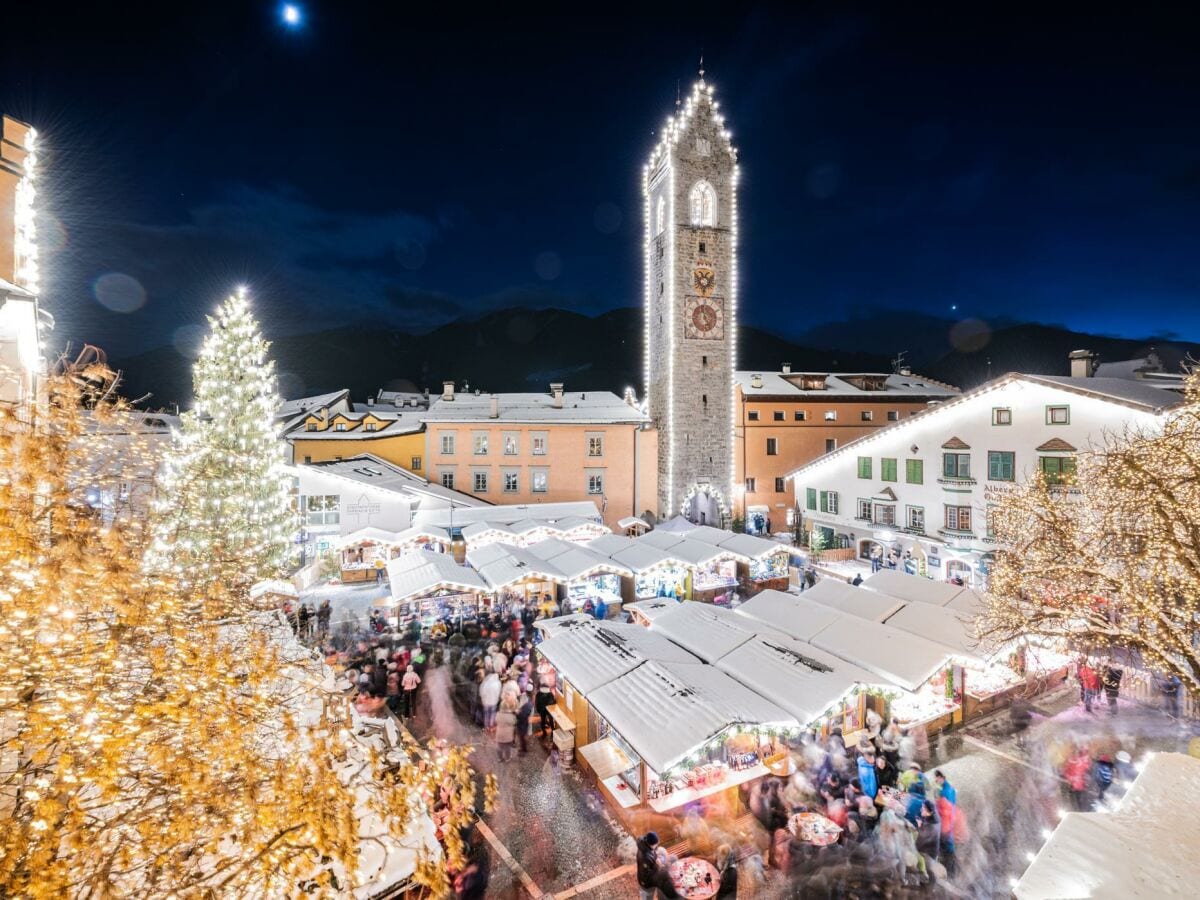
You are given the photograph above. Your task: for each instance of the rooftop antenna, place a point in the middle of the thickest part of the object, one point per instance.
(898, 362)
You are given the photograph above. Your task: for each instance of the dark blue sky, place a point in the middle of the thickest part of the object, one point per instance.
(390, 164)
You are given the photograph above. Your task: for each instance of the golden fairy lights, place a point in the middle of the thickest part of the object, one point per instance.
(151, 746)
(1111, 559)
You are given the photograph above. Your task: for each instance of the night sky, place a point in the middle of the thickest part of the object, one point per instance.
(388, 164)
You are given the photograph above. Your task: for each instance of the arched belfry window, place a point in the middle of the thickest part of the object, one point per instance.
(703, 203)
(660, 216)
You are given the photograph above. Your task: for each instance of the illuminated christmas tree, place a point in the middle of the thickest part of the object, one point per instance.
(1111, 559)
(149, 749)
(225, 511)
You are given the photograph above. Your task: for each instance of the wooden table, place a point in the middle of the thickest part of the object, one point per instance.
(688, 876)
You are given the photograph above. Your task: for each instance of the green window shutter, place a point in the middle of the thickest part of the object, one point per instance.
(949, 465)
(914, 471)
(1068, 465)
(887, 469)
(864, 467)
(1000, 465)
(810, 498)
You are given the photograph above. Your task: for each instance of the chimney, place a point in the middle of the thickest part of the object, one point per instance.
(495, 411)
(787, 368)
(755, 381)
(1083, 363)
(556, 391)
(370, 401)
(447, 390)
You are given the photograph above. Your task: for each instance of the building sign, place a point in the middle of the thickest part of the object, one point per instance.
(994, 493)
(363, 508)
(933, 559)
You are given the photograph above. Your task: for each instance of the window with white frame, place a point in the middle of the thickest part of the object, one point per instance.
(595, 445)
(512, 482)
(831, 415)
(958, 518)
(511, 445)
(480, 480)
(595, 481)
(916, 518)
(481, 443)
(538, 442)
(703, 204)
(448, 479)
(893, 415)
(1058, 415)
(751, 486)
(864, 510)
(867, 415)
(323, 509)
(340, 426)
(448, 444)
(829, 502)
(370, 426)
(885, 514)
(539, 480)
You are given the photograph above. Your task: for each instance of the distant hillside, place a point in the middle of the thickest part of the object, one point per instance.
(509, 350)
(517, 349)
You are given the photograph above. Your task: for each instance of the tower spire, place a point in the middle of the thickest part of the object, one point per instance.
(678, 97)
(701, 68)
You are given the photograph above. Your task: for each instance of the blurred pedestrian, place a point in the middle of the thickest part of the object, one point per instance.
(1112, 687)
(1076, 772)
(506, 729)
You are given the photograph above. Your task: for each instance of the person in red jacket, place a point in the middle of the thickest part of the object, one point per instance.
(1089, 684)
(1076, 772)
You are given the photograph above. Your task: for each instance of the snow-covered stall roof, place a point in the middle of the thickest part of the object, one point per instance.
(1145, 849)
(419, 572)
(918, 589)
(653, 608)
(516, 564)
(754, 547)
(590, 654)
(698, 553)
(477, 531)
(642, 557)
(632, 522)
(660, 538)
(665, 711)
(363, 535)
(273, 586)
(675, 524)
(551, 627)
(610, 543)
(853, 600)
(707, 631)
(945, 626)
(708, 535)
(901, 658)
(802, 679)
(573, 560)
(782, 612)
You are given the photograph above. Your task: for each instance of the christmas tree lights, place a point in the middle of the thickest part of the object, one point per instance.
(1110, 560)
(225, 514)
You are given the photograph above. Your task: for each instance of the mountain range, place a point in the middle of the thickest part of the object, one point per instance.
(524, 350)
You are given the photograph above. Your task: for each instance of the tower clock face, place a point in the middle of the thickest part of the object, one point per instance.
(704, 318)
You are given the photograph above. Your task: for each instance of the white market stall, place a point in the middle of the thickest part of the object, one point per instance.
(1147, 848)
(363, 554)
(593, 580)
(644, 612)
(766, 563)
(517, 576)
(710, 632)
(431, 586)
(686, 732)
(853, 600)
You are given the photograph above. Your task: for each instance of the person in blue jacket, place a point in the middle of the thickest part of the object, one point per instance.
(945, 788)
(916, 799)
(866, 772)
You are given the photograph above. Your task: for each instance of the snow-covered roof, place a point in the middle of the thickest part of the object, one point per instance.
(746, 545)
(674, 525)
(903, 659)
(273, 586)
(420, 572)
(391, 538)
(1123, 390)
(918, 589)
(781, 612)
(371, 471)
(590, 654)
(304, 405)
(551, 627)
(853, 600)
(666, 711)
(632, 522)
(396, 423)
(14, 290)
(706, 630)
(514, 565)
(507, 514)
(609, 544)
(653, 608)
(660, 538)
(802, 679)
(1146, 849)
(642, 557)
(943, 625)
(791, 384)
(698, 553)
(577, 407)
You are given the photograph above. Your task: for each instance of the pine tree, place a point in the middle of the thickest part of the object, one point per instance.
(225, 512)
(152, 749)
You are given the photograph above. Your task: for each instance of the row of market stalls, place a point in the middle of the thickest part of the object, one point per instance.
(362, 554)
(527, 532)
(607, 573)
(661, 730)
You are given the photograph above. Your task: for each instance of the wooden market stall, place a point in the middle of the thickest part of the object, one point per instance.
(431, 586)
(363, 555)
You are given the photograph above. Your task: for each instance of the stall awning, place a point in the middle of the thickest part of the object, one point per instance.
(605, 758)
(667, 711)
(854, 600)
(590, 654)
(418, 573)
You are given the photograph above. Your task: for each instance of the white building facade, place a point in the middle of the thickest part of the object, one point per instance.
(917, 496)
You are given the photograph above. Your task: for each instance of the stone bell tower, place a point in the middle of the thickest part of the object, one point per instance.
(690, 195)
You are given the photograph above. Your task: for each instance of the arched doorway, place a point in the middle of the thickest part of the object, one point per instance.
(958, 568)
(704, 505)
